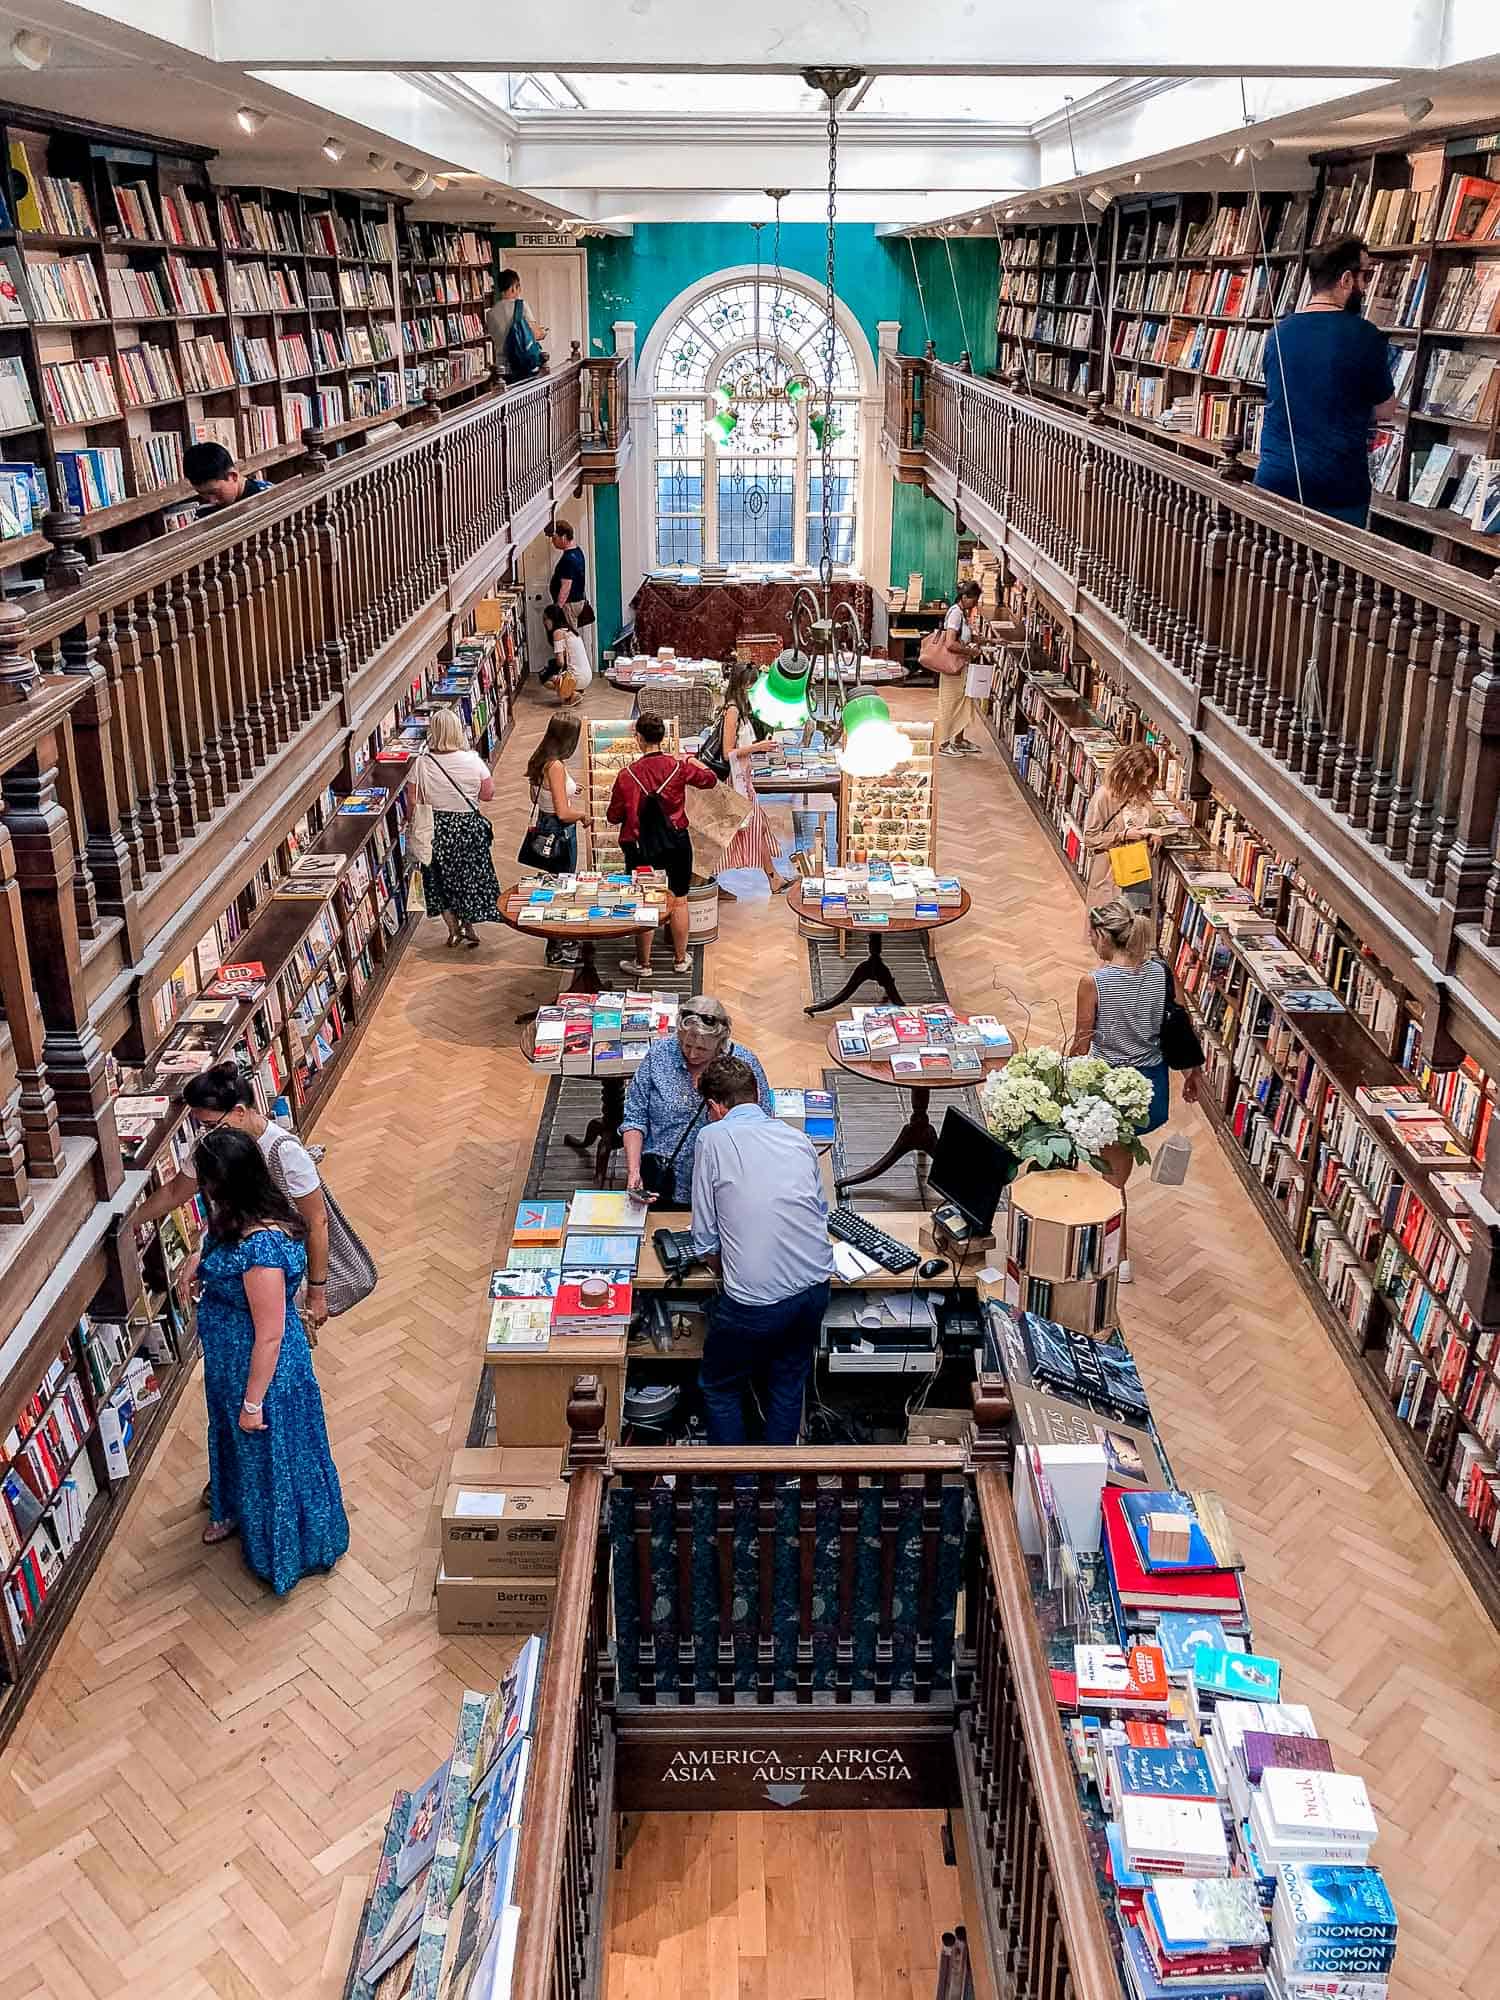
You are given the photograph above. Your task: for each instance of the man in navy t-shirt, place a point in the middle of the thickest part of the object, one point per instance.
(1328, 379)
(570, 573)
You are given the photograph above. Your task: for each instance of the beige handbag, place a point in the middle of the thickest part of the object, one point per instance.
(421, 826)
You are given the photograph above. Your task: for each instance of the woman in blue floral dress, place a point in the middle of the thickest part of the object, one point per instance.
(271, 1474)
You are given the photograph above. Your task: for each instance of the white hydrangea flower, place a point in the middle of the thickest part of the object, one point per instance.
(1086, 1073)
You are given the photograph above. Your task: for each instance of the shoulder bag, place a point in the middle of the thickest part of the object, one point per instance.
(659, 1171)
(352, 1275)
(543, 847)
(1129, 860)
(420, 827)
(710, 752)
(1180, 1046)
(937, 655)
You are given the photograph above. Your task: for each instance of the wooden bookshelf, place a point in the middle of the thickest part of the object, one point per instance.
(1050, 320)
(1198, 281)
(151, 309)
(1437, 297)
(1344, 1202)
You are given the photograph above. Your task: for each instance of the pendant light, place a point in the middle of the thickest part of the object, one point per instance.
(780, 697)
(873, 746)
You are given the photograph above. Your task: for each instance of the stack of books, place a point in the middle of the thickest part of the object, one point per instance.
(570, 1270)
(601, 1034)
(919, 1042)
(871, 893)
(810, 1111)
(589, 898)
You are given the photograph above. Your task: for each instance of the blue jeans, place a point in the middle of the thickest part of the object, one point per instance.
(769, 1345)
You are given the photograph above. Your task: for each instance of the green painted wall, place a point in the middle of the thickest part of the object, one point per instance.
(636, 277)
(606, 569)
(924, 536)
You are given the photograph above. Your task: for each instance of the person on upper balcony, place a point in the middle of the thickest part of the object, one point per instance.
(516, 343)
(218, 481)
(1328, 381)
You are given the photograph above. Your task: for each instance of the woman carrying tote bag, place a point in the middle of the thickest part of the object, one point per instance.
(550, 843)
(947, 653)
(458, 878)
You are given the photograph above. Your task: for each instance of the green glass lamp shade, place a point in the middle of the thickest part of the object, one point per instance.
(723, 425)
(722, 399)
(796, 389)
(780, 696)
(817, 422)
(873, 745)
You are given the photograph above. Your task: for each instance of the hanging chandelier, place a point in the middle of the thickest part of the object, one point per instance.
(757, 396)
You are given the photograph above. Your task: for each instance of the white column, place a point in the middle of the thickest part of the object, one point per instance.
(636, 510)
(877, 480)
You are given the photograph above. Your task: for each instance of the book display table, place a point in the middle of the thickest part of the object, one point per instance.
(872, 966)
(918, 1134)
(586, 976)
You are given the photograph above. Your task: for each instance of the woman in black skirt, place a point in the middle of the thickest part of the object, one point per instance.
(459, 881)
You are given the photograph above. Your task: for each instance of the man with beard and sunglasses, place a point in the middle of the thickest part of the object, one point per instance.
(1328, 380)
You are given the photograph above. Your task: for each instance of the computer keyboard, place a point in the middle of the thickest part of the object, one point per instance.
(890, 1254)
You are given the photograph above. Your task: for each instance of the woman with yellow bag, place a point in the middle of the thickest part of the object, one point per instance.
(1120, 829)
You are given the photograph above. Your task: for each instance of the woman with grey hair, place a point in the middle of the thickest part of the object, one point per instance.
(664, 1113)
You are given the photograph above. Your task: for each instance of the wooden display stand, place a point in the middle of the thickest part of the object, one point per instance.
(609, 747)
(1063, 1234)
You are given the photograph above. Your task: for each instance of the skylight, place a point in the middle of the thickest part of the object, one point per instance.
(992, 100)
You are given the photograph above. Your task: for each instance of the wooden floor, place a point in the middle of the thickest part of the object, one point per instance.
(189, 1807)
(781, 1906)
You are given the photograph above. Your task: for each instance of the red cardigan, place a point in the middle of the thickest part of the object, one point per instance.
(643, 776)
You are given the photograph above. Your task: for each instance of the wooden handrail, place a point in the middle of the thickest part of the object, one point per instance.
(544, 1825)
(795, 1461)
(1091, 1956)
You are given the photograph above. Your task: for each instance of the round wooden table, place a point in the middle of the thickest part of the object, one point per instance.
(586, 977)
(872, 966)
(918, 1134)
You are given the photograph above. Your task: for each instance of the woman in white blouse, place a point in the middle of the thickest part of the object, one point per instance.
(459, 881)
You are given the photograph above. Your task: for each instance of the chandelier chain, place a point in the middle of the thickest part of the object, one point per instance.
(825, 566)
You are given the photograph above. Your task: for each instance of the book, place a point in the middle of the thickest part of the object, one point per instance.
(1328, 1903)
(479, 1901)
(1311, 1805)
(1217, 1591)
(1180, 1773)
(1242, 1676)
(593, 1301)
(510, 1715)
(539, 1222)
(606, 1211)
(1259, 1749)
(1175, 1836)
(528, 1281)
(398, 1933)
(1203, 1915)
(1144, 1984)
(420, 1841)
(1181, 1633)
(519, 1326)
(586, 1252)
(1112, 1677)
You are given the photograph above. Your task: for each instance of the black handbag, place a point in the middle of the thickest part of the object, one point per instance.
(544, 847)
(710, 752)
(1180, 1046)
(659, 1170)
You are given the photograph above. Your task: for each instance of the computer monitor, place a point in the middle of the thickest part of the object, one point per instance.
(969, 1169)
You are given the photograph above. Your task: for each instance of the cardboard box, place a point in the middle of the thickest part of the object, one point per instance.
(503, 1531)
(507, 1465)
(940, 1427)
(493, 1606)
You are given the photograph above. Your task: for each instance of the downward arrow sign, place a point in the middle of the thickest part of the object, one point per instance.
(784, 1795)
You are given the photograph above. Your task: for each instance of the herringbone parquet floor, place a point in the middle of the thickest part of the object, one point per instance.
(190, 1806)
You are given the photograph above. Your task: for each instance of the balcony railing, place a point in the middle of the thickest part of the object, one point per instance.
(1346, 691)
(144, 700)
(605, 416)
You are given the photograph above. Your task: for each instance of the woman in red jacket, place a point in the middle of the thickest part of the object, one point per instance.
(659, 774)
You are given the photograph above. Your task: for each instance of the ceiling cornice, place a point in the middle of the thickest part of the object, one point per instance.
(447, 88)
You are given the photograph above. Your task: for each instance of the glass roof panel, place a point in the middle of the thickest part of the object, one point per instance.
(999, 100)
(995, 100)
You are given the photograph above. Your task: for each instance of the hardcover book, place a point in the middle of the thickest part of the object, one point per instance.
(1201, 1915)
(1260, 1750)
(420, 1843)
(1323, 1902)
(1161, 1774)
(1313, 1804)
(1138, 1506)
(540, 1222)
(606, 1211)
(1180, 1634)
(1242, 1676)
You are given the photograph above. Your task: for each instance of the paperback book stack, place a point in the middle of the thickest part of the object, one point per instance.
(809, 1111)
(589, 899)
(570, 1270)
(601, 1034)
(441, 1921)
(871, 894)
(917, 1042)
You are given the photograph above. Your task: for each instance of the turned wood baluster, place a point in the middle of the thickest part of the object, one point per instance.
(206, 599)
(174, 796)
(101, 768)
(288, 638)
(807, 1555)
(645, 1590)
(281, 691)
(1085, 555)
(683, 1496)
(1288, 743)
(1237, 563)
(329, 583)
(767, 1496)
(1470, 859)
(843, 1657)
(239, 648)
(122, 637)
(1153, 612)
(724, 1526)
(600, 1652)
(1350, 669)
(85, 901)
(1336, 613)
(184, 710)
(442, 507)
(125, 750)
(245, 621)
(890, 1534)
(224, 642)
(1392, 675)
(1371, 658)
(41, 1141)
(302, 562)
(1117, 566)
(189, 618)
(1416, 700)
(1251, 647)
(1266, 689)
(1440, 748)
(72, 1053)
(1177, 522)
(932, 1535)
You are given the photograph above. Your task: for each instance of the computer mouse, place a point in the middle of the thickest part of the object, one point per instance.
(933, 1268)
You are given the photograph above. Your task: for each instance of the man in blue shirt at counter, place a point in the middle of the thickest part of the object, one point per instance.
(1328, 380)
(761, 1217)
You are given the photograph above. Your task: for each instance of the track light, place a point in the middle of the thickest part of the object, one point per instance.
(1414, 110)
(1137, 180)
(334, 149)
(1100, 198)
(249, 120)
(31, 49)
(417, 178)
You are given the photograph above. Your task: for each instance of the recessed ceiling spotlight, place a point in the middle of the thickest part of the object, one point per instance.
(31, 49)
(376, 162)
(249, 119)
(490, 198)
(415, 177)
(1137, 179)
(334, 149)
(1415, 109)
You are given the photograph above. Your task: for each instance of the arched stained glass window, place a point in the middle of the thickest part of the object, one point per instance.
(738, 395)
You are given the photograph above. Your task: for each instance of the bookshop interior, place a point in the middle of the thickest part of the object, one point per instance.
(749, 1003)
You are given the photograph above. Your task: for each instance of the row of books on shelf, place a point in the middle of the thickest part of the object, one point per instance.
(1070, 373)
(1446, 476)
(1061, 329)
(1193, 346)
(441, 1920)
(1382, 218)
(1224, 293)
(440, 288)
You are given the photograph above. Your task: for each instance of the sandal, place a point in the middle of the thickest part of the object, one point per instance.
(219, 1531)
(206, 1497)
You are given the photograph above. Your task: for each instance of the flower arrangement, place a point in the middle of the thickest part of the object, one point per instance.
(1062, 1111)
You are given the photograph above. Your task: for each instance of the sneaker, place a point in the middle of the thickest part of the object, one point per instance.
(950, 750)
(966, 749)
(683, 966)
(1124, 1272)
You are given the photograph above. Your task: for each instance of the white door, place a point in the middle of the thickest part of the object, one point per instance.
(537, 563)
(552, 284)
